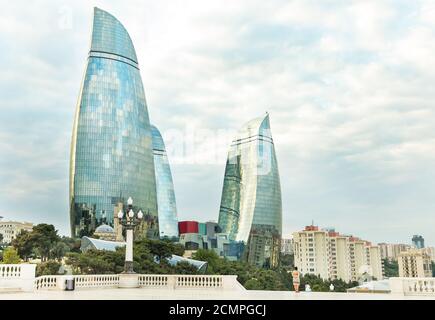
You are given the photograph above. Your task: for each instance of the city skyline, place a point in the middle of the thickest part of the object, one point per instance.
(350, 104)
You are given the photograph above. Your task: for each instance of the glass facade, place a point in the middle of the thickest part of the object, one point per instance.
(111, 149)
(251, 209)
(168, 222)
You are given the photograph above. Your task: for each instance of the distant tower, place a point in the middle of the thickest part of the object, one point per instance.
(251, 208)
(418, 241)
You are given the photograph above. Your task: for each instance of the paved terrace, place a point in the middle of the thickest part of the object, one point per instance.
(196, 294)
(19, 282)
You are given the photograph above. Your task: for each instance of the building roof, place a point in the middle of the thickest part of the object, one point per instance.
(110, 36)
(200, 265)
(104, 228)
(91, 243)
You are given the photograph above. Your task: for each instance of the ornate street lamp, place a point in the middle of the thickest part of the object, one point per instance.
(129, 220)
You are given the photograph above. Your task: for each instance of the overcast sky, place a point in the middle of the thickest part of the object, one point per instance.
(349, 86)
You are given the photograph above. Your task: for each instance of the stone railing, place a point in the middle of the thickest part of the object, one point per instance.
(47, 282)
(413, 286)
(194, 282)
(81, 281)
(154, 281)
(146, 281)
(99, 281)
(17, 276)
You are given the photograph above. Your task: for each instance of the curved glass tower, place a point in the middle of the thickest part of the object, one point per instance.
(251, 209)
(168, 221)
(111, 149)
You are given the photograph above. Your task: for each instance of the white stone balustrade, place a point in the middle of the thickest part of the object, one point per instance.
(413, 286)
(81, 281)
(146, 281)
(100, 281)
(17, 276)
(154, 281)
(47, 282)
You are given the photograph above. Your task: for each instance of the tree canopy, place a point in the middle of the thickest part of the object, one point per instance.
(10, 256)
(391, 268)
(145, 252)
(44, 242)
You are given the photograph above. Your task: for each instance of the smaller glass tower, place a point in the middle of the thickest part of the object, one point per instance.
(167, 208)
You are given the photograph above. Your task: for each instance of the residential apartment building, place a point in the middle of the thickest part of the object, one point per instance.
(430, 251)
(311, 250)
(415, 264)
(391, 251)
(286, 246)
(10, 229)
(375, 262)
(333, 256)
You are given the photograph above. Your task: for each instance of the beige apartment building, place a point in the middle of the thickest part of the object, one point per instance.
(311, 251)
(391, 251)
(430, 251)
(10, 229)
(415, 264)
(375, 261)
(333, 256)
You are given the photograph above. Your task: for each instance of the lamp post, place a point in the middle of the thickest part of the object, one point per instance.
(129, 220)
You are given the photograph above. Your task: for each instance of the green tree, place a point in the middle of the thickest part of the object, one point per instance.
(10, 256)
(44, 236)
(160, 249)
(93, 262)
(270, 280)
(1, 237)
(184, 268)
(316, 283)
(433, 269)
(145, 251)
(287, 261)
(72, 243)
(391, 268)
(23, 244)
(215, 263)
(47, 268)
(59, 250)
(40, 242)
(253, 284)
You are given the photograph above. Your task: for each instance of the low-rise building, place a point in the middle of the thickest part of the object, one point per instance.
(415, 264)
(195, 236)
(10, 229)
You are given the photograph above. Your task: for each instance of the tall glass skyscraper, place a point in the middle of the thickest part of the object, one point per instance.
(168, 221)
(111, 149)
(251, 209)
